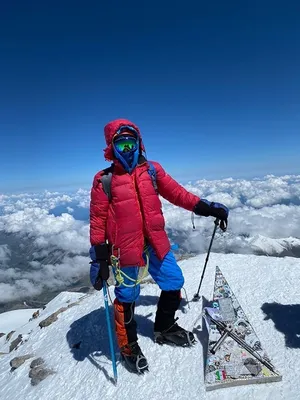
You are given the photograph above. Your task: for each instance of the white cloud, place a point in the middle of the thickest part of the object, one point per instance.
(268, 207)
(5, 253)
(63, 231)
(46, 201)
(48, 253)
(44, 251)
(20, 284)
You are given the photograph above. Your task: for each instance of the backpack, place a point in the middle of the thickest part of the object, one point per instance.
(107, 177)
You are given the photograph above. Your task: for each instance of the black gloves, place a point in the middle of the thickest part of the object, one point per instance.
(99, 270)
(217, 210)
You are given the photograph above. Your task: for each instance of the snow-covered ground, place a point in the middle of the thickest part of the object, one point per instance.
(16, 319)
(177, 373)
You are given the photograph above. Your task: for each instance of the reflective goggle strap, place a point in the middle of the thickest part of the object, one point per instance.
(126, 127)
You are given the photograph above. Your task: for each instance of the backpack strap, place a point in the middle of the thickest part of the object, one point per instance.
(106, 181)
(152, 173)
(107, 177)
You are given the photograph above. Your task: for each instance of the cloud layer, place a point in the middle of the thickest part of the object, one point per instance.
(44, 238)
(263, 212)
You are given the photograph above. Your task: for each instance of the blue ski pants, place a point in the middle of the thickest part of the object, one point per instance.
(166, 273)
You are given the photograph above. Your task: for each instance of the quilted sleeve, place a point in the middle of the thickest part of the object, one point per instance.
(173, 191)
(98, 212)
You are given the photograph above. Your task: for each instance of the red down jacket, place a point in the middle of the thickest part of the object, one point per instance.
(135, 211)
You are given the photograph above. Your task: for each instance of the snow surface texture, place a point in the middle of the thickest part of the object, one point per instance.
(175, 373)
(44, 237)
(16, 319)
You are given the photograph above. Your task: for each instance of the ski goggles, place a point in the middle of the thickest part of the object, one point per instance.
(127, 128)
(125, 143)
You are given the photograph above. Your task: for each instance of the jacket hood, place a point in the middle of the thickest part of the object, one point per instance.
(111, 129)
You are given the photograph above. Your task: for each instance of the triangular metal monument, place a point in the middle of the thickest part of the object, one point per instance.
(235, 356)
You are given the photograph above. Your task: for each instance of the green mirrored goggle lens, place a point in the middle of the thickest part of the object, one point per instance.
(125, 144)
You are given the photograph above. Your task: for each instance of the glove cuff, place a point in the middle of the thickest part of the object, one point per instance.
(203, 207)
(99, 252)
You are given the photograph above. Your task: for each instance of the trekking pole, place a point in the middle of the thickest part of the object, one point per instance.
(110, 335)
(196, 296)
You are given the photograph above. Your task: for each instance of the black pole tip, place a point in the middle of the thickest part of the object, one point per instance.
(196, 297)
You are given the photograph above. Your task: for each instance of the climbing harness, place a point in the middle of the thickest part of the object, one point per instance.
(121, 275)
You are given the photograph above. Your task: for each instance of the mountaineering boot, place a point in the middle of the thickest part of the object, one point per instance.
(176, 336)
(134, 359)
(166, 329)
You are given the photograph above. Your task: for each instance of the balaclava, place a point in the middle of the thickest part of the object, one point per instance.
(126, 146)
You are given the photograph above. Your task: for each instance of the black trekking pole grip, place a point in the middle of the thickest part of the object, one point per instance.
(216, 222)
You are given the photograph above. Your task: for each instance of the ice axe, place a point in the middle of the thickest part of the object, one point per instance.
(110, 334)
(196, 296)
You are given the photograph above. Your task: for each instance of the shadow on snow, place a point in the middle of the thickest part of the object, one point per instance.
(286, 318)
(88, 338)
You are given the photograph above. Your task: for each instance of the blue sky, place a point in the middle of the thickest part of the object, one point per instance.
(214, 87)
